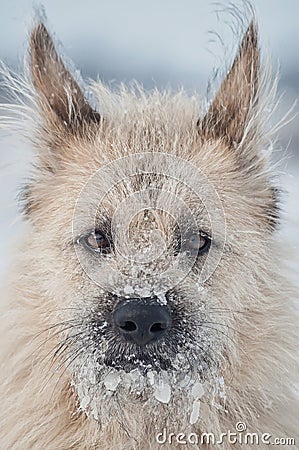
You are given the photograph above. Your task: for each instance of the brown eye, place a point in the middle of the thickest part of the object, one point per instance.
(97, 242)
(197, 243)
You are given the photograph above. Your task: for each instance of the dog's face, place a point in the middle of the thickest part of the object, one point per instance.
(150, 229)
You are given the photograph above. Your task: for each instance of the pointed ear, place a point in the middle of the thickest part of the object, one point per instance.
(229, 113)
(59, 93)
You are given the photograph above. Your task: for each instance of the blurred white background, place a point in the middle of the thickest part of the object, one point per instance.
(159, 44)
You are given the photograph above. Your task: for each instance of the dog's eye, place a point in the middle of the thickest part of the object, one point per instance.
(197, 243)
(97, 242)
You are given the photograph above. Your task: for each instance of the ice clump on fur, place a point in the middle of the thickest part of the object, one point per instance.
(128, 290)
(195, 412)
(111, 381)
(197, 390)
(162, 391)
(219, 393)
(162, 298)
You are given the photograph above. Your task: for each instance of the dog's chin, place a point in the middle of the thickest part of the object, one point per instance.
(137, 372)
(113, 372)
(104, 391)
(133, 383)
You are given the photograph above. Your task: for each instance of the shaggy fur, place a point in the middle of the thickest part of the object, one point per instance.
(234, 332)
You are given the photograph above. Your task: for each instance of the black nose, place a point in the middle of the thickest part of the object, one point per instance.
(141, 320)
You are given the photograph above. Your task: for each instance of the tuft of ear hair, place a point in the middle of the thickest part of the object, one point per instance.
(59, 93)
(229, 112)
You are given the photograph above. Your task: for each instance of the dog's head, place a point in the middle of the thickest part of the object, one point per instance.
(151, 226)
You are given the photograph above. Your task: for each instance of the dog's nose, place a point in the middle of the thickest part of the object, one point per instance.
(142, 320)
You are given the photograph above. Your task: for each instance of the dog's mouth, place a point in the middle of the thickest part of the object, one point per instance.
(175, 351)
(132, 357)
(176, 354)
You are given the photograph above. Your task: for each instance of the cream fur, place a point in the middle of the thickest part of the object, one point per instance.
(255, 343)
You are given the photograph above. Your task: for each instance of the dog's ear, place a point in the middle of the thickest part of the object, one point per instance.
(59, 92)
(229, 113)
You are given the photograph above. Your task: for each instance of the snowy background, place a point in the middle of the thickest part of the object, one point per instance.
(159, 44)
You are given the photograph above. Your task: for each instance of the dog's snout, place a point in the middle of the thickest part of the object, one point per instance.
(141, 320)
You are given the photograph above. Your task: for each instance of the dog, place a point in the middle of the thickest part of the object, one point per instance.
(147, 305)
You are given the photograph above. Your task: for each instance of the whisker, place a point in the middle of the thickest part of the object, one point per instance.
(77, 352)
(51, 327)
(204, 324)
(49, 338)
(228, 327)
(65, 344)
